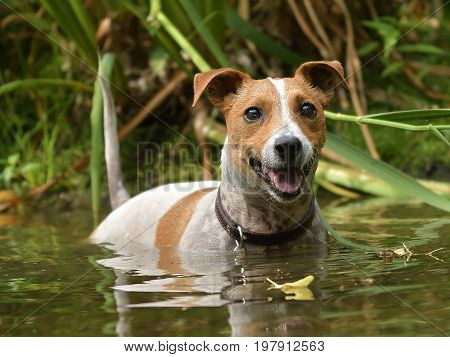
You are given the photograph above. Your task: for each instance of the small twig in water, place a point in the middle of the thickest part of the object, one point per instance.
(388, 254)
(430, 254)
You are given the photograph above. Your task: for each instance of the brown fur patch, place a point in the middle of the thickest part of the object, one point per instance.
(171, 228)
(173, 224)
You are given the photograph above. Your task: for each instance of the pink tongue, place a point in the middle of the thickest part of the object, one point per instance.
(288, 182)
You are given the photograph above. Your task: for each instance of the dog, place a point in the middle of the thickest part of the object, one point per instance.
(275, 132)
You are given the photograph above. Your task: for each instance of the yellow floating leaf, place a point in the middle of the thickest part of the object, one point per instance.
(297, 290)
(302, 283)
(300, 294)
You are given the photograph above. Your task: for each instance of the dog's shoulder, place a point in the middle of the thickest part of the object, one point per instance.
(173, 223)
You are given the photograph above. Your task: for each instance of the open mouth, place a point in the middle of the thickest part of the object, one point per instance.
(284, 181)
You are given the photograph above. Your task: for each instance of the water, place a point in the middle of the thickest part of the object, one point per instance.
(55, 283)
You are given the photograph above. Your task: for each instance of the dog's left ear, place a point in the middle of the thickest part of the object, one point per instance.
(320, 74)
(219, 83)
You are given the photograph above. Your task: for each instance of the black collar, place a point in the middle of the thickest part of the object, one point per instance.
(243, 235)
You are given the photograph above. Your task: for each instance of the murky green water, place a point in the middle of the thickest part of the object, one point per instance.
(54, 283)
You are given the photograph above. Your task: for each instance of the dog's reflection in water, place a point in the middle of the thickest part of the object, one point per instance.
(237, 280)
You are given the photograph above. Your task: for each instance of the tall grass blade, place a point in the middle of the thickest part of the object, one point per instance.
(404, 183)
(84, 20)
(261, 40)
(96, 165)
(183, 42)
(174, 11)
(158, 34)
(215, 10)
(204, 32)
(42, 82)
(75, 23)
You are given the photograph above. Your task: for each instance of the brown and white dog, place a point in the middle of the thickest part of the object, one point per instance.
(275, 131)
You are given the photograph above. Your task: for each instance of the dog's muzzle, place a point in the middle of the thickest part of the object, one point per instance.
(286, 181)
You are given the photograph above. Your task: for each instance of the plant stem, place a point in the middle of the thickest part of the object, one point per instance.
(367, 120)
(179, 38)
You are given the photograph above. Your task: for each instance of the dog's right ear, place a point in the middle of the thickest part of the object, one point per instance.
(219, 83)
(320, 75)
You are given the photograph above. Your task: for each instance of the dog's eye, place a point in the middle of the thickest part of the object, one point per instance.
(253, 114)
(308, 110)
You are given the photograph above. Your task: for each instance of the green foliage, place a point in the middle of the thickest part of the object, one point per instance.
(425, 48)
(15, 173)
(388, 32)
(182, 41)
(72, 16)
(204, 32)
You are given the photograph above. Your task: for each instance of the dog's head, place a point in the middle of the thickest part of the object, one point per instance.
(276, 127)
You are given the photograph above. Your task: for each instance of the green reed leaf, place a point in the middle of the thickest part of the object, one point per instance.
(42, 82)
(205, 33)
(421, 114)
(404, 183)
(426, 48)
(106, 63)
(246, 30)
(75, 22)
(183, 42)
(395, 120)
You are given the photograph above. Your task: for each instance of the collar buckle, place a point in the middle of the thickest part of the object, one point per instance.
(242, 237)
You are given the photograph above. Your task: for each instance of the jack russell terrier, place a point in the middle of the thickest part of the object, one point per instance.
(275, 131)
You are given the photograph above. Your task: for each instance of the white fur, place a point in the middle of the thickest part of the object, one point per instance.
(289, 127)
(282, 96)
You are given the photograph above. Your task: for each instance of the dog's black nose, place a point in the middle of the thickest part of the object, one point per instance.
(288, 148)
